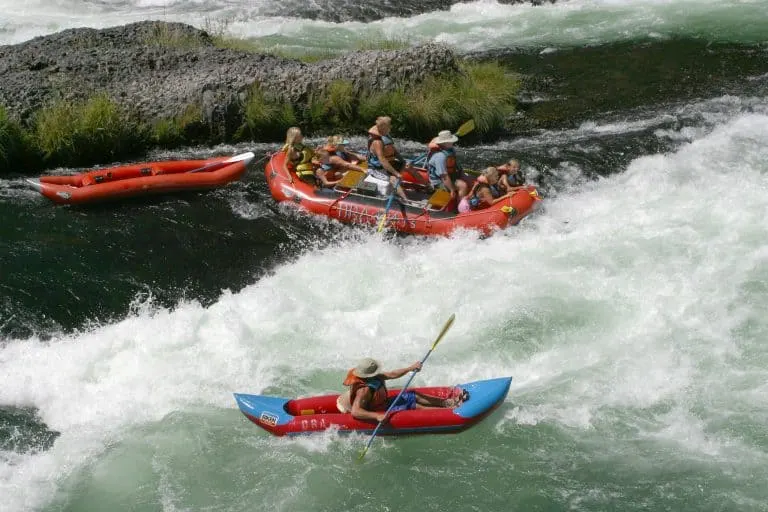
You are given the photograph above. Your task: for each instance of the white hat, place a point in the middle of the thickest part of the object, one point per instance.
(366, 367)
(444, 137)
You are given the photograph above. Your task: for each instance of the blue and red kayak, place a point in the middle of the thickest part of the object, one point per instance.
(283, 416)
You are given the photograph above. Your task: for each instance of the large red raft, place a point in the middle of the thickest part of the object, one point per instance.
(427, 214)
(282, 416)
(125, 181)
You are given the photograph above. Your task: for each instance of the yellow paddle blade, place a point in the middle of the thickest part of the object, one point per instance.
(447, 326)
(465, 128)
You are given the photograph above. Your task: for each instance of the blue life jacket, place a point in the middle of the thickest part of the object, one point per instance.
(375, 167)
(450, 166)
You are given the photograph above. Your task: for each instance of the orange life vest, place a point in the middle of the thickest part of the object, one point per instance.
(376, 386)
(450, 157)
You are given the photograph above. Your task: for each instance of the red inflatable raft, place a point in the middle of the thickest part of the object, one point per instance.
(353, 201)
(114, 183)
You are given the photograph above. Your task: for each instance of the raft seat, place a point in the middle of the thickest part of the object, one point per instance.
(351, 180)
(439, 199)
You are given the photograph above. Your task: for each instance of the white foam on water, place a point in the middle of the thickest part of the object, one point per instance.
(475, 25)
(637, 293)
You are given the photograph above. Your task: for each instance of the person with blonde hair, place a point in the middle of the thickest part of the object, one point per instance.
(298, 156)
(485, 192)
(339, 159)
(512, 177)
(327, 176)
(337, 147)
(384, 161)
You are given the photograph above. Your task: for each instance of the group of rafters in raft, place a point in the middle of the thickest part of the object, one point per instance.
(432, 193)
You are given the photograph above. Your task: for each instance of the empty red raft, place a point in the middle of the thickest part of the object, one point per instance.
(353, 201)
(114, 183)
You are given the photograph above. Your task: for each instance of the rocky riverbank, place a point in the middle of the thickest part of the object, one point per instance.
(158, 69)
(177, 84)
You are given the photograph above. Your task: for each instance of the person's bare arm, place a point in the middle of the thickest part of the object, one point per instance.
(396, 374)
(340, 162)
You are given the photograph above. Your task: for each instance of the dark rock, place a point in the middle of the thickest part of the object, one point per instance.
(158, 69)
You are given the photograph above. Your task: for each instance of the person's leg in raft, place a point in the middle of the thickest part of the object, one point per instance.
(427, 401)
(400, 191)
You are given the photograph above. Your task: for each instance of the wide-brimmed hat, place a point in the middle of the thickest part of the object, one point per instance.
(367, 367)
(444, 137)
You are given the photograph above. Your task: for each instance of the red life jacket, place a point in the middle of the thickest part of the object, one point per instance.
(376, 387)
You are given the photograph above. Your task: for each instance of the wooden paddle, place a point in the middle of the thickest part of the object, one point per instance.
(447, 326)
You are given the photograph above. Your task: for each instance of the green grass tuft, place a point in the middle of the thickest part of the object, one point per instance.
(178, 131)
(265, 117)
(168, 36)
(12, 142)
(82, 133)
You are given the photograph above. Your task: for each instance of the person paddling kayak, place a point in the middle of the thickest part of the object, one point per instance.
(366, 398)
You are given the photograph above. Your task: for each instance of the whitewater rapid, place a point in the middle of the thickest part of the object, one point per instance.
(478, 25)
(633, 307)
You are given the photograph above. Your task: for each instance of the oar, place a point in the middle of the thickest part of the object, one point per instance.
(237, 158)
(389, 205)
(465, 128)
(413, 374)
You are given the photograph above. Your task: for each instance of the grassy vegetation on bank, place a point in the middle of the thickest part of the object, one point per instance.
(98, 130)
(483, 92)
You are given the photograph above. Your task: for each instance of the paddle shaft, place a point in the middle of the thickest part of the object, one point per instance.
(413, 374)
(389, 205)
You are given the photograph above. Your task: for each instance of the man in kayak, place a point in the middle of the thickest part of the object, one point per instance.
(367, 398)
(444, 171)
(384, 162)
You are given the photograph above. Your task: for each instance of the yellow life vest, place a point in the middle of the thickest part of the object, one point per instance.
(302, 167)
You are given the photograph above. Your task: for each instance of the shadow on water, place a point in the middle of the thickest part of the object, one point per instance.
(63, 266)
(22, 431)
(565, 87)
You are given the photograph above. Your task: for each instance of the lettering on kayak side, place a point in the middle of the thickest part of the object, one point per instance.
(314, 424)
(268, 418)
(359, 215)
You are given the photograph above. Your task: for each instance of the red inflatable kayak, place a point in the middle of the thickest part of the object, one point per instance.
(355, 202)
(281, 416)
(114, 183)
